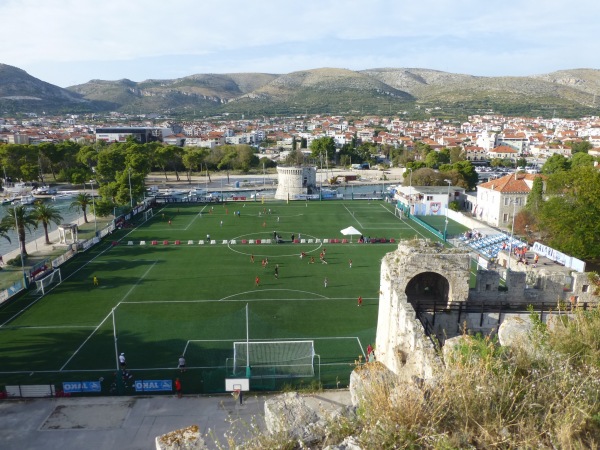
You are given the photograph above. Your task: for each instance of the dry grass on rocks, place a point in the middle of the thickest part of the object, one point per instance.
(493, 397)
(544, 395)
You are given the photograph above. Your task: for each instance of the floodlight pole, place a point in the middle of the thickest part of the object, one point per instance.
(115, 338)
(512, 232)
(119, 381)
(130, 195)
(247, 345)
(447, 205)
(410, 190)
(20, 247)
(94, 207)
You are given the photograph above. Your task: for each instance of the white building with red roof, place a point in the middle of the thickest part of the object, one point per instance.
(499, 200)
(503, 152)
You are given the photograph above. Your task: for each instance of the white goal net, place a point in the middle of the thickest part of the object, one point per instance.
(398, 212)
(148, 214)
(54, 278)
(275, 359)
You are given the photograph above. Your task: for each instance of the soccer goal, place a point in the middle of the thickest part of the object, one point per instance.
(54, 278)
(148, 214)
(275, 359)
(400, 212)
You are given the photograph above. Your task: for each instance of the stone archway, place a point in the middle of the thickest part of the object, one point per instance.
(428, 288)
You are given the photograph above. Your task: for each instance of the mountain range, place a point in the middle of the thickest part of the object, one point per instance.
(416, 93)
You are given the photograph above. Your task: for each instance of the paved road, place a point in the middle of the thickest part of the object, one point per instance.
(131, 423)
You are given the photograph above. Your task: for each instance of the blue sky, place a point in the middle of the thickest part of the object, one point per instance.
(68, 42)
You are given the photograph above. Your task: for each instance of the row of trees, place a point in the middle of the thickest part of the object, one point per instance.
(22, 219)
(563, 208)
(119, 169)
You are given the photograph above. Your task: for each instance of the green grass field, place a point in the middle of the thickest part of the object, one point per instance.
(438, 222)
(157, 302)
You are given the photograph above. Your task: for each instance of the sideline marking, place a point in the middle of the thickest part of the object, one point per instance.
(406, 221)
(195, 217)
(53, 287)
(109, 314)
(265, 290)
(352, 214)
(84, 342)
(136, 283)
(229, 299)
(47, 327)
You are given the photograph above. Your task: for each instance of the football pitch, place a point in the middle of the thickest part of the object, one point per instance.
(162, 294)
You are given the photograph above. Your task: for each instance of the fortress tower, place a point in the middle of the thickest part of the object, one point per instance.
(295, 182)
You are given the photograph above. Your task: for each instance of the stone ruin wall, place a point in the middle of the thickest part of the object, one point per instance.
(402, 344)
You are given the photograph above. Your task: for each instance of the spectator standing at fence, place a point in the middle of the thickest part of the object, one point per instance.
(178, 387)
(122, 361)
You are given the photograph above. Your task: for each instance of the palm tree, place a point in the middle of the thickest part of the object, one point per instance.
(4, 231)
(81, 202)
(19, 218)
(45, 213)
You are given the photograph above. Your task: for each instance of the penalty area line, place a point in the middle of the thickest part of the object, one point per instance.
(136, 283)
(84, 342)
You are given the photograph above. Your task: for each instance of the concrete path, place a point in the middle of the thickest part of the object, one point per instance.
(131, 423)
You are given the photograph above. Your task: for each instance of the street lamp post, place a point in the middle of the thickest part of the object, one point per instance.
(447, 205)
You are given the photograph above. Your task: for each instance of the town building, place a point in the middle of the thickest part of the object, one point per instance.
(142, 134)
(429, 200)
(499, 201)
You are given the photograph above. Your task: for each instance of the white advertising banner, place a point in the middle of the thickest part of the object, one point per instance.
(561, 258)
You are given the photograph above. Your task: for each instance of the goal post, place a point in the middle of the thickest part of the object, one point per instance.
(275, 359)
(54, 278)
(400, 211)
(148, 214)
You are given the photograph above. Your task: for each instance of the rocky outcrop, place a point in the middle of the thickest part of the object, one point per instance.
(301, 418)
(347, 444)
(364, 378)
(514, 331)
(183, 439)
(451, 345)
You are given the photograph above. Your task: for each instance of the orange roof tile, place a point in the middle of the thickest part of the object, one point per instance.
(510, 183)
(503, 149)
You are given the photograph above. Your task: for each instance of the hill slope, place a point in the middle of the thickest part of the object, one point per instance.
(19, 91)
(323, 90)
